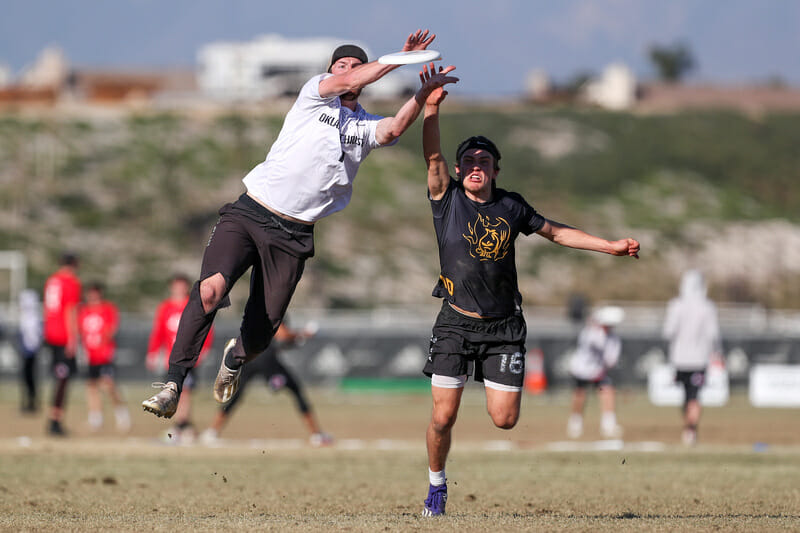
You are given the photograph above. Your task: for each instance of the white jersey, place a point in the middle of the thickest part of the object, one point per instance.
(691, 325)
(309, 171)
(597, 351)
(30, 321)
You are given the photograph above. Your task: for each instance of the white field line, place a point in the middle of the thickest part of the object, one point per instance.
(131, 444)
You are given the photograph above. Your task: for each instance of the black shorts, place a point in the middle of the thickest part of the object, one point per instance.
(268, 366)
(277, 376)
(583, 383)
(62, 366)
(96, 371)
(274, 372)
(459, 342)
(692, 380)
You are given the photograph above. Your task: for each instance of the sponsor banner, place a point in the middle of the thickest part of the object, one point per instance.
(663, 390)
(775, 386)
(390, 351)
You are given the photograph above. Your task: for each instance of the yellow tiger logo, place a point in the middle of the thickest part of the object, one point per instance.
(488, 239)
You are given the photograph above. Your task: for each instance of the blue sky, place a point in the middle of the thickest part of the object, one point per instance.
(494, 44)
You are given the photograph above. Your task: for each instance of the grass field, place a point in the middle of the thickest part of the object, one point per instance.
(743, 476)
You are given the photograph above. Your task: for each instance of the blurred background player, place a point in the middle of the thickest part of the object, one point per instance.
(29, 342)
(62, 295)
(691, 326)
(98, 321)
(277, 377)
(481, 327)
(597, 352)
(162, 337)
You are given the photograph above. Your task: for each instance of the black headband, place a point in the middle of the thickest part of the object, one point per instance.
(478, 141)
(348, 50)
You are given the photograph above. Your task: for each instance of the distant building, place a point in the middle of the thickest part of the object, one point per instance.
(615, 89)
(49, 71)
(538, 86)
(51, 79)
(39, 83)
(126, 86)
(271, 66)
(6, 76)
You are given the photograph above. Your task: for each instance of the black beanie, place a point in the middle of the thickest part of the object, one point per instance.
(478, 141)
(348, 50)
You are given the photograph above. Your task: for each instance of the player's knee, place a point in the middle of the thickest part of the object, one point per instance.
(212, 291)
(505, 420)
(443, 421)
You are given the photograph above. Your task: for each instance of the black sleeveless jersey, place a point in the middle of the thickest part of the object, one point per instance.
(476, 249)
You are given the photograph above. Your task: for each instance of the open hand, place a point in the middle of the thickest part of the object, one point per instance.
(433, 82)
(418, 40)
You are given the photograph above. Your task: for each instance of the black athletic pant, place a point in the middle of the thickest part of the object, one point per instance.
(63, 369)
(246, 235)
(29, 382)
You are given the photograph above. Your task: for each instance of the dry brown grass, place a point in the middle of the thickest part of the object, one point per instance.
(105, 482)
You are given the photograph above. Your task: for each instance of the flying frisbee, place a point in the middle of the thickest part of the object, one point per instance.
(410, 57)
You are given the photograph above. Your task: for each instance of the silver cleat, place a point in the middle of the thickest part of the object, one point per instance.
(165, 402)
(227, 382)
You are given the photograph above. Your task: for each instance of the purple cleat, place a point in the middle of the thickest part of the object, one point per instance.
(437, 498)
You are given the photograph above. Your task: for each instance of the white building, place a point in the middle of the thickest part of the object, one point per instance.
(50, 70)
(615, 89)
(538, 84)
(272, 65)
(6, 77)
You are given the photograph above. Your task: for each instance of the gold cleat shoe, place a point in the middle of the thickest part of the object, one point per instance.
(165, 402)
(227, 382)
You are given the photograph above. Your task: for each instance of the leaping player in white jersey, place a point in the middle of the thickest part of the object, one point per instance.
(307, 175)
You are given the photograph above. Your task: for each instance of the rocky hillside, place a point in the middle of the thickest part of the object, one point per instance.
(136, 195)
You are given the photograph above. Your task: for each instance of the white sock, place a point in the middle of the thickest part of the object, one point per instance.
(95, 419)
(608, 421)
(437, 478)
(123, 418)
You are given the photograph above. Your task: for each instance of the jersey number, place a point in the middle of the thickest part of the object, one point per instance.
(515, 363)
(448, 284)
(52, 297)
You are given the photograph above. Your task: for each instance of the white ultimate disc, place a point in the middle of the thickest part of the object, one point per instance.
(410, 57)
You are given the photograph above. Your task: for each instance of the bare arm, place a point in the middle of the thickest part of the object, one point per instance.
(353, 80)
(73, 333)
(438, 176)
(575, 238)
(390, 128)
(363, 75)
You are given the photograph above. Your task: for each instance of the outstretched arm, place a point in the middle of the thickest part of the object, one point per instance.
(438, 176)
(361, 76)
(575, 238)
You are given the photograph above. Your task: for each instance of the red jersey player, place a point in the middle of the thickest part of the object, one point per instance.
(98, 320)
(62, 294)
(162, 337)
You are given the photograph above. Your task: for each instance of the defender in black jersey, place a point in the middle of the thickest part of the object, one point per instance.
(480, 329)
